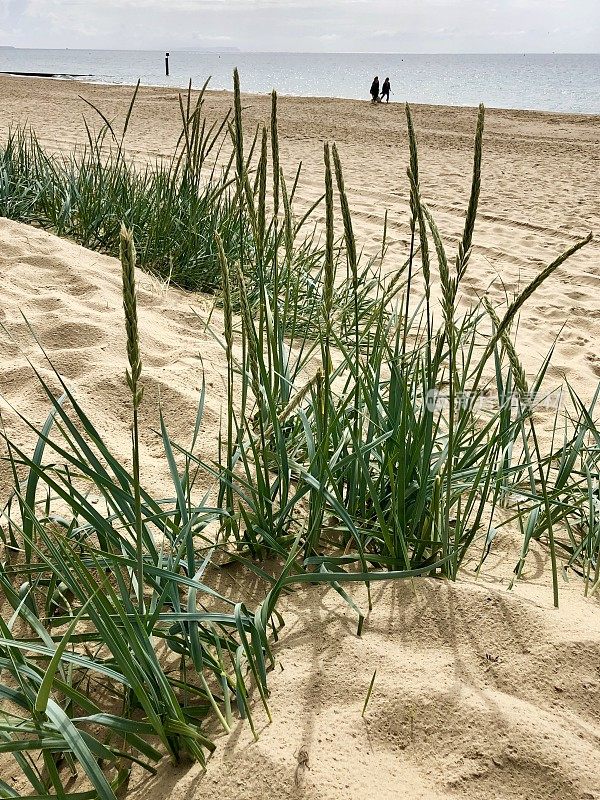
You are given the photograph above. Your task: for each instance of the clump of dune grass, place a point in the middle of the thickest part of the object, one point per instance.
(116, 650)
(384, 467)
(173, 206)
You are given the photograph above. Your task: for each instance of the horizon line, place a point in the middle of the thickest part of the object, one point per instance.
(238, 51)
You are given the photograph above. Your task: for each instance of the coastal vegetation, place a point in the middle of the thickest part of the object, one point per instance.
(355, 447)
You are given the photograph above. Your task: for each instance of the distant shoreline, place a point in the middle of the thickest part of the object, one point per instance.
(539, 82)
(89, 81)
(47, 74)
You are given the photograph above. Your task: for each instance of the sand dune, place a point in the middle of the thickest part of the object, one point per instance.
(480, 692)
(71, 299)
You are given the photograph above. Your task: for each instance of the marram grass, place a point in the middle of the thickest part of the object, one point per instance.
(133, 375)
(409, 485)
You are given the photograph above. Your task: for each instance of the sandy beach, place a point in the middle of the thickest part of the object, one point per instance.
(480, 692)
(539, 184)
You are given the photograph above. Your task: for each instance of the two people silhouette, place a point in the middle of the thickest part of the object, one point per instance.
(385, 90)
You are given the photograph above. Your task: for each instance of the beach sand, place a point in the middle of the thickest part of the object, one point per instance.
(480, 692)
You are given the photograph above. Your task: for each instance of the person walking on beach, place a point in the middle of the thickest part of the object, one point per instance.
(375, 90)
(385, 90)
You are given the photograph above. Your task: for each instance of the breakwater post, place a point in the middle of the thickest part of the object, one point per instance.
(167, 64)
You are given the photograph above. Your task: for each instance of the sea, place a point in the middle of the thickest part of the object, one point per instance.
(568, 83)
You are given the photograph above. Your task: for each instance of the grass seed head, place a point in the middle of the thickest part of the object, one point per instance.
(329, 267)
(275, 153)
(128, 259)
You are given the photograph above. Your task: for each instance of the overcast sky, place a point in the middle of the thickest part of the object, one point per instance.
(311, 25)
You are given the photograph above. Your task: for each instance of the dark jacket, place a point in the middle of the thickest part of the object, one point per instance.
(375, 88)
(385, 89)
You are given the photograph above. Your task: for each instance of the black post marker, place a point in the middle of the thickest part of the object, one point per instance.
(167, 64)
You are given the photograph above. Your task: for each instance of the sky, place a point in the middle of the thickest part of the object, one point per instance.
(404, 26)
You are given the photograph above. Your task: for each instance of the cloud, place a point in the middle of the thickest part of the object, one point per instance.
(351, 25)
